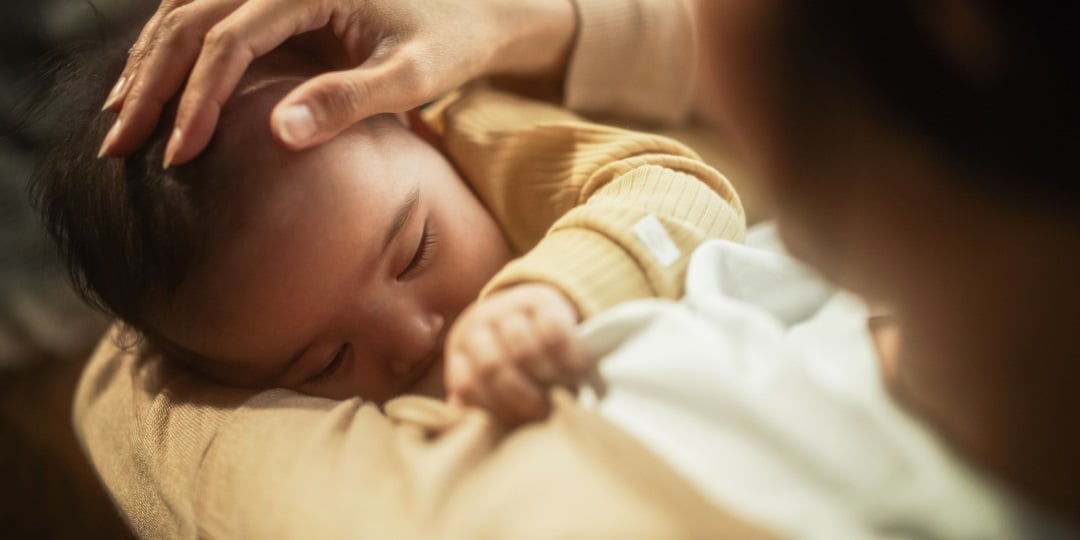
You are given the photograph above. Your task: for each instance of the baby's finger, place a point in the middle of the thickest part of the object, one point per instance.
(459, 371)
(484, 350)
(525, 349)
(472, 355)
(559, 342)
(463, 386)
(516, 399)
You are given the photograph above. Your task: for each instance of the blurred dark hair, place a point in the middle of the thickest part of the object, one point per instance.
(1015, 123)
(127, 230)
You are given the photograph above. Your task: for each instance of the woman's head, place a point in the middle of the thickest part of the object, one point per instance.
(335, 271)
(870, 117)
(923, 153)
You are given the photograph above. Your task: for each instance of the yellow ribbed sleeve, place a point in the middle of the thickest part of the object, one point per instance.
(582, 202)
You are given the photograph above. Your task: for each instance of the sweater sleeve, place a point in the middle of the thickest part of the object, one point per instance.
(185, 458)
(633, 59)
(605, 215)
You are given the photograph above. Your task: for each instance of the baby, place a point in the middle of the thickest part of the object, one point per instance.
(355, 268)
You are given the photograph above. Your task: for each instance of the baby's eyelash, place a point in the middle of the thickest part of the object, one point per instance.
(333, 365)
(423, 252)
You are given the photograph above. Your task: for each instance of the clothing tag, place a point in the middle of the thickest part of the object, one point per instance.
(655, 237)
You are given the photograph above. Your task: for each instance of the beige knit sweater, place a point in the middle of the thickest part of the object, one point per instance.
(184, 458)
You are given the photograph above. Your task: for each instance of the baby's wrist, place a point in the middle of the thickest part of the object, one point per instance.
(551, 294)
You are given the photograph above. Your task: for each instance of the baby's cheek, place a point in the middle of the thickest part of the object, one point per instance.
(478, 253)
(473, 273)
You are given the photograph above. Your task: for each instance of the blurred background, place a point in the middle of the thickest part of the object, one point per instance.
(47, 489)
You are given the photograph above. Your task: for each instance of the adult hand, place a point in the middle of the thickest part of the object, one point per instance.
(505, 351)
(400, 54)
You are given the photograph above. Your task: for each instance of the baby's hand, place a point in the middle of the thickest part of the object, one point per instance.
(504, 352)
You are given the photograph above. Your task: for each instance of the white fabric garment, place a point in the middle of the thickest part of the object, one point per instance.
(761, 386)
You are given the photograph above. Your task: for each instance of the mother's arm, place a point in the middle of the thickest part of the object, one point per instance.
(183, 459)
(631, 58)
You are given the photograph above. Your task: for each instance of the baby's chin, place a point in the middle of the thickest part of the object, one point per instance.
(433, 384)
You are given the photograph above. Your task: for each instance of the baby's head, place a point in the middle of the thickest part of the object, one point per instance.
(334, 271)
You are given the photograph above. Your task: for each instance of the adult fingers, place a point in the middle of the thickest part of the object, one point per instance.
(138, 50)
(161, 71)
(250, 31)
(324, 106)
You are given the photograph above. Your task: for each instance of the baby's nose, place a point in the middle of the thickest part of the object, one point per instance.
(421, 339)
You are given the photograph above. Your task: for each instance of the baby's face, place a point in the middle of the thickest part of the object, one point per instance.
(335, 271)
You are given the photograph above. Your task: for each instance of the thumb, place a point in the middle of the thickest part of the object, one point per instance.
(322, 107)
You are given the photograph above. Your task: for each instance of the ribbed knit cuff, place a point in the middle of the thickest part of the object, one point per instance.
(590, 269)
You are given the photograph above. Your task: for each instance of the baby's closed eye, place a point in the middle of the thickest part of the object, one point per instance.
(332, 365)
(422, 255)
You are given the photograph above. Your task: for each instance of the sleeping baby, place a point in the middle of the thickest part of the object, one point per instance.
(450, 258)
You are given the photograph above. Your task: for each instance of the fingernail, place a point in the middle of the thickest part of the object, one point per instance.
(296, 124)
(114, 94)
(109, 139)
(171, 148)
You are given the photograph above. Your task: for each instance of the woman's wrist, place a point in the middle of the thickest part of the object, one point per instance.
(537, 41)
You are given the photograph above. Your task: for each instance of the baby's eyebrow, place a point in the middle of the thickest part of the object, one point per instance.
(405, 211)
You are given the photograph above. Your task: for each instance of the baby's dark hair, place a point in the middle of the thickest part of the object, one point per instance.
(127, 230)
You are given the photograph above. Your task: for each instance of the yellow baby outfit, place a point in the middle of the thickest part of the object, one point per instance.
(604, 214)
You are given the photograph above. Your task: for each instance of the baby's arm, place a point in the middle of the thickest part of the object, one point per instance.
(603, 216)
